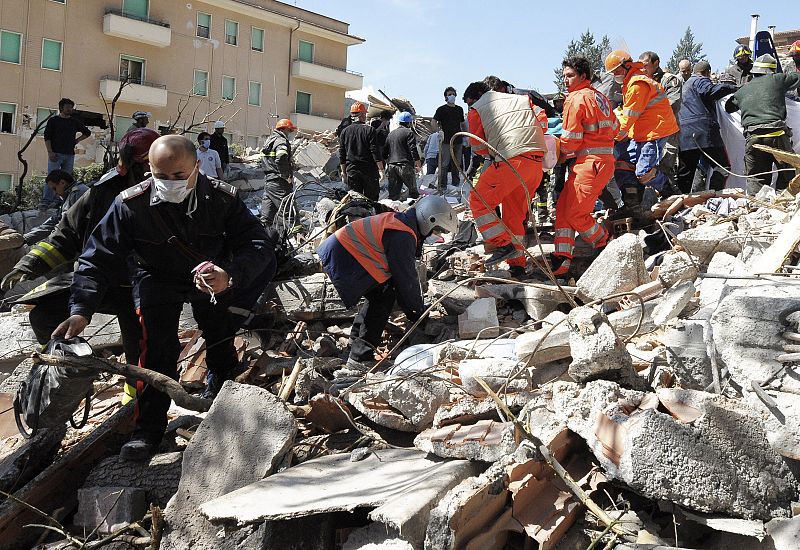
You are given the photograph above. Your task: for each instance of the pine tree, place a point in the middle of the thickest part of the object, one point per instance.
(585, 46)
(686, 49)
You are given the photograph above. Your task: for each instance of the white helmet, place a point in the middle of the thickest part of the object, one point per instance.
(219, 124)
(433, 211)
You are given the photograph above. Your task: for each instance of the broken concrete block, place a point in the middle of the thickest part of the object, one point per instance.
(417, 398)
(687, 354)
(486, 440)
(704, 240)
(479, 320)
(157, 477)
(711, 288)
(673, 302)
(499, 374)
(596, 351)
(618, 268)
(676, 267)
(538, 300)
(747, 327)
(245, 435)
(468, 409)
(336, 483)
(376, 537)
(784, 533)
(109, 508)
(720, 462)
(780, 415)
(311, 298)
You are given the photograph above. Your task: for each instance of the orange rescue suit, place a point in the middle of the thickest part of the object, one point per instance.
(363, 239)
(646, 112)
(589, 127)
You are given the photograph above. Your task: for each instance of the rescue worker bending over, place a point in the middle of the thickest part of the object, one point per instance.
(375, 258)
(63, 185)
(647, 119)
(62, 247)
(277, 169)
(192, 240)
(508, 123)
(589, 126)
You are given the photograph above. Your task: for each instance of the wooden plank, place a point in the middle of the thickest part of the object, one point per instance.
(779, 251)
(57, 484)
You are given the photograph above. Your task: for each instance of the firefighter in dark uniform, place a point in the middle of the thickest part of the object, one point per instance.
(57, 253)
(359, 155)
(192, 240)
(375, 258)
(277, 169)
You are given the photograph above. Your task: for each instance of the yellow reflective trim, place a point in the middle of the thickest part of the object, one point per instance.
(128, 393)
(44, 256)
(52, 250)
(773, 134)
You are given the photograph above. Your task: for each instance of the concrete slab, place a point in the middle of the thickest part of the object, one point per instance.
(244, 437)
(329, 484)
(618, 268)
(479, 320)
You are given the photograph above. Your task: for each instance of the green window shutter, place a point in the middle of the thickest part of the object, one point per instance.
(42, 114)
(203, 25)
(231, 32)
(51, 54)
(303, 103)
(200, 83)
(305, 51)
(136, 8)
(10, 45)
(254, 96)
(228, 87)
(257, 39)
(121, 125)
(5, 182)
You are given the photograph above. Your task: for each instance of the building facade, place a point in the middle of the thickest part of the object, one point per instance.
(246, 62)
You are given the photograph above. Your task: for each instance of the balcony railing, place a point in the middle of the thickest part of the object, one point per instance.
(119, 12)
(140, 82)
(330, 67)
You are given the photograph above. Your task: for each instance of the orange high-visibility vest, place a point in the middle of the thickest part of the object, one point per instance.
(363, 239)
(646, 112)
(589, 123)
(541, 116)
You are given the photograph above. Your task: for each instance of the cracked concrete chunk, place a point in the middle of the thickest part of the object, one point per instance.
(675, 268)
(704, 240)
(596, 351)
(619, 267)
(479, 320)
(720, 462)
(486, 440)
(244, 436)
(499, 374)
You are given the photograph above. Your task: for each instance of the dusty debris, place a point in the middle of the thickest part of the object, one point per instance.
(479, 320)
(618, 268)
(109, 508)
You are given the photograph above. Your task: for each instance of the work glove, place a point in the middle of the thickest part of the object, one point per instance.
(10, 280)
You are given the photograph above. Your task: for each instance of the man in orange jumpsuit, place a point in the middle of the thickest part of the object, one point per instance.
(507, 122)
(589, 126)
(647, 119)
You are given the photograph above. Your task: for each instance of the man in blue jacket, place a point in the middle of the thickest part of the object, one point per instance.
(699, 127)
(189, 239)
(375, 258)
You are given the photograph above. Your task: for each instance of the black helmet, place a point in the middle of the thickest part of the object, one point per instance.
(742, 51)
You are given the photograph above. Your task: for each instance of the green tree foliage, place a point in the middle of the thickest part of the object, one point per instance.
(686, 49)
(584, 46)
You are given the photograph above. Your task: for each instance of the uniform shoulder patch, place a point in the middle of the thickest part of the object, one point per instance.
(107, 176)
(224, 187)
(135, 191)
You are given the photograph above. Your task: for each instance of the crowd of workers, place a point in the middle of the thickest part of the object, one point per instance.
(161, 229)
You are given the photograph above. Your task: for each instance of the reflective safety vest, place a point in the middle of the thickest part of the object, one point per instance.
(646, 112)
(509, 124)
(589, 123)
(541, 116)
(363, 239)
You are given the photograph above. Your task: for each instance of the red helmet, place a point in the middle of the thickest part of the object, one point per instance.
(794, 48)
(357, 107)
(285, 123)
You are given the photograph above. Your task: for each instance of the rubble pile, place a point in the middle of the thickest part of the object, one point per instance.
(651, 399)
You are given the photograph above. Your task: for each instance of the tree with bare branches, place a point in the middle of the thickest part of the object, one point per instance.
(110, 156)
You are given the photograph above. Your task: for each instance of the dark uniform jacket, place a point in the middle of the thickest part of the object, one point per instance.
(164, 244)
(352, 281)
(698, 114)
(220, 145)
(401, 147)
(763, 102)
(277, 157)
(741, 75)
(358, 147)
(63, 246)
